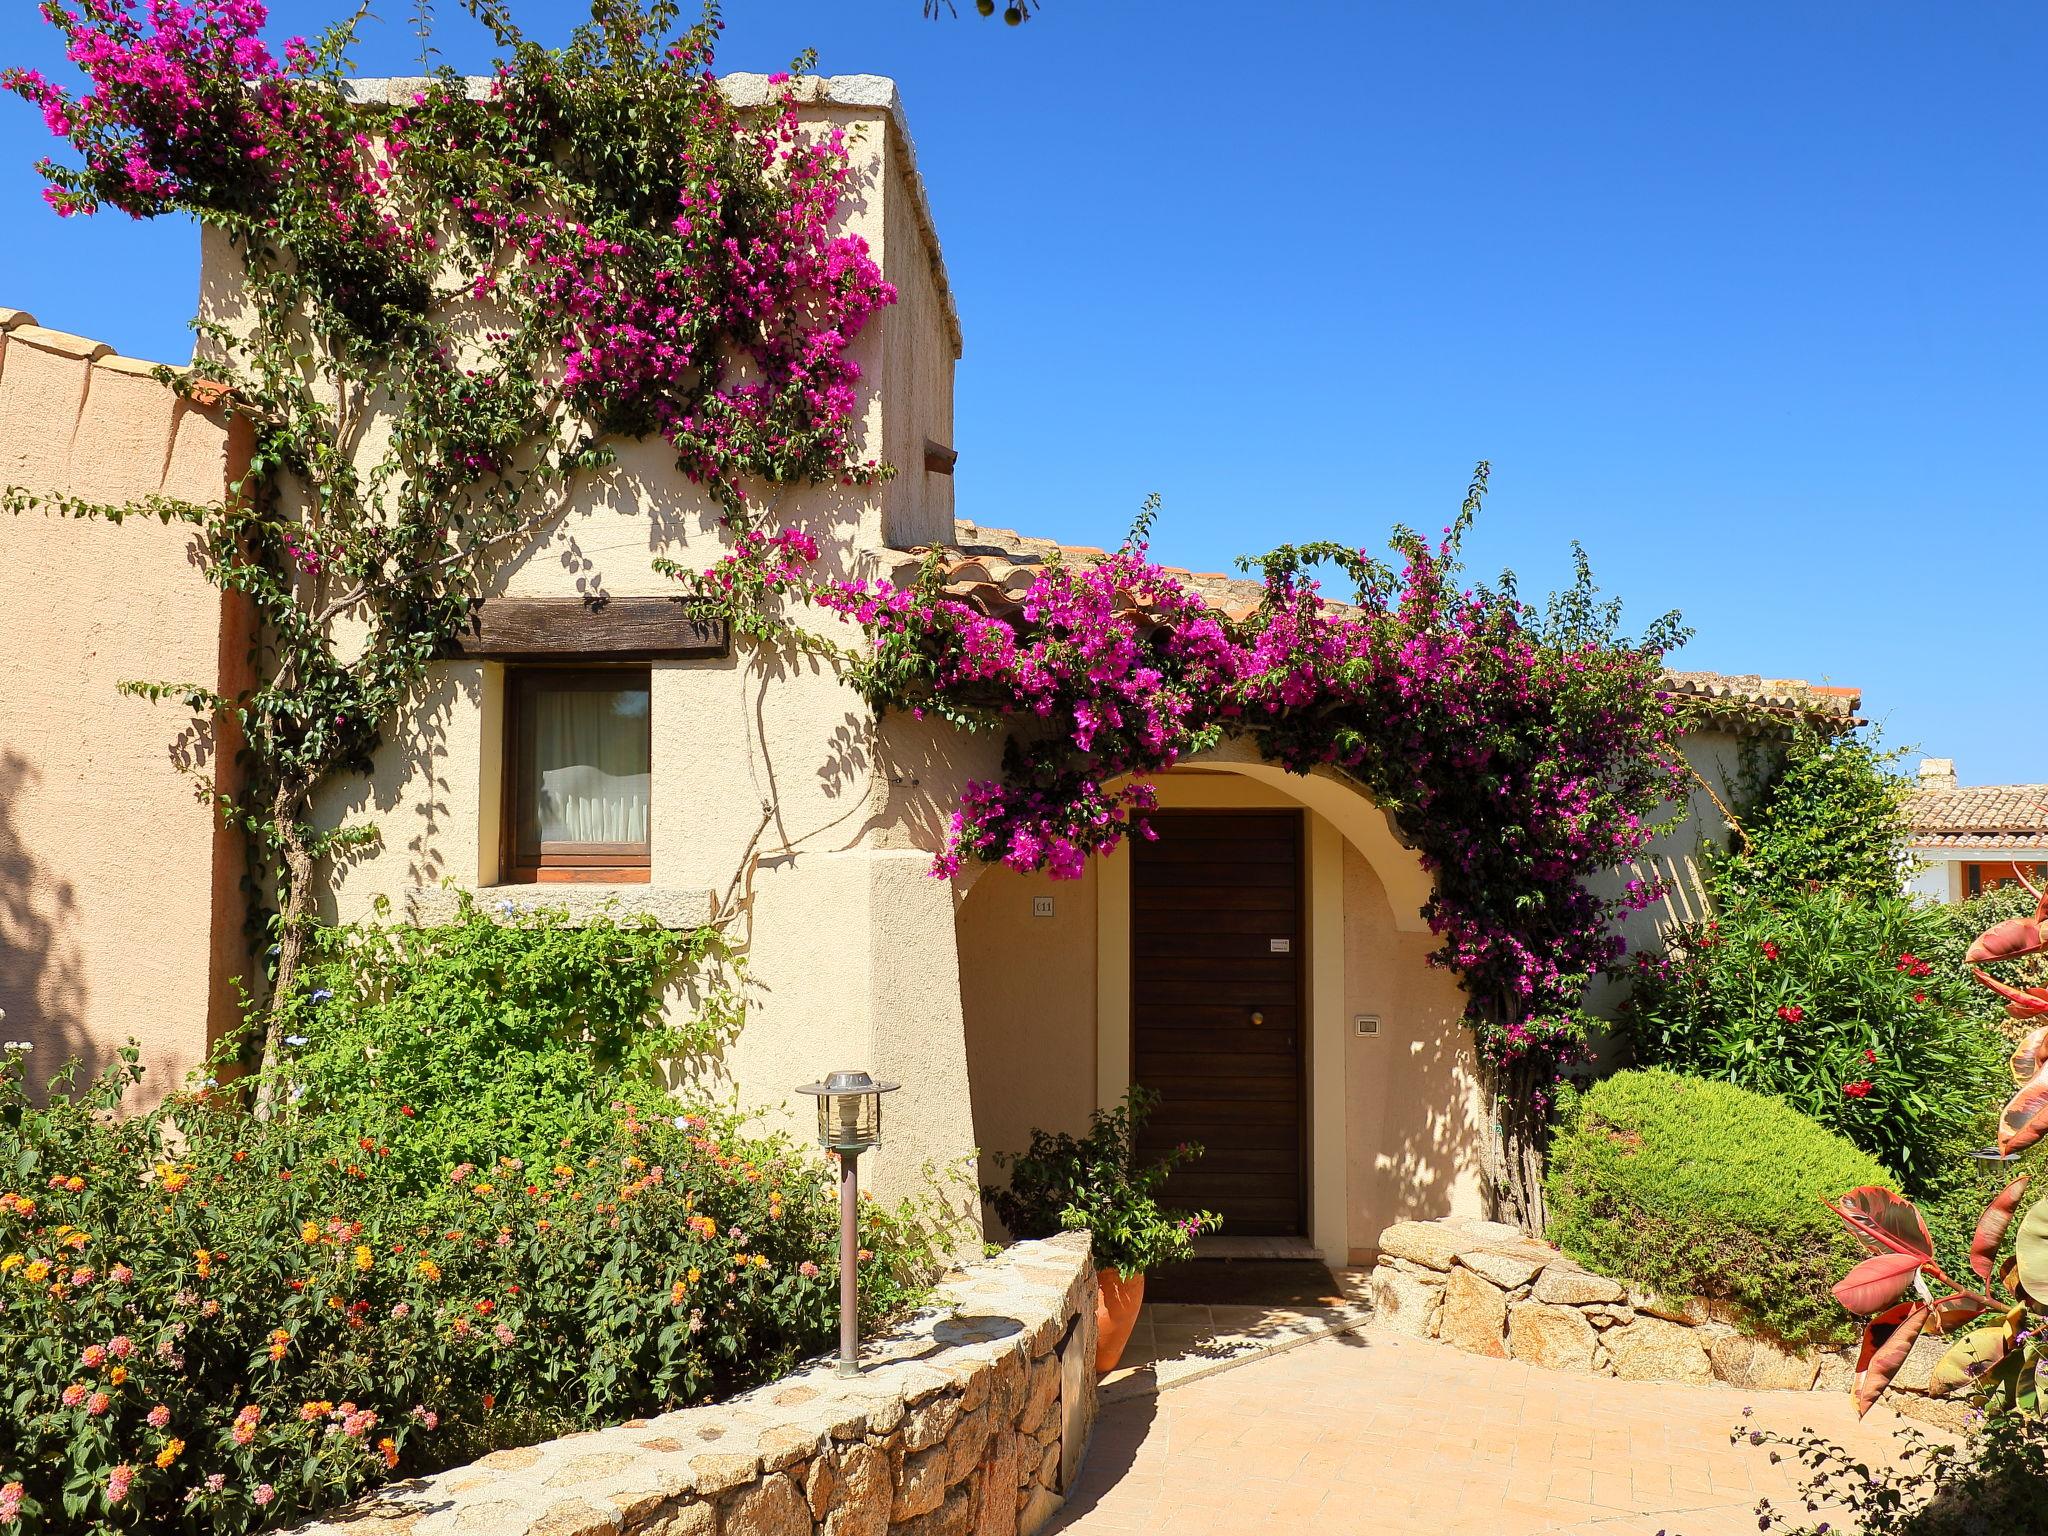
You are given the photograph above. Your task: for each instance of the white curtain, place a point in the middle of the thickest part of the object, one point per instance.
(590, 750)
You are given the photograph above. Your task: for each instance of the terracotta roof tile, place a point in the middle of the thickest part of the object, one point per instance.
(993, 567)
(1979, 816)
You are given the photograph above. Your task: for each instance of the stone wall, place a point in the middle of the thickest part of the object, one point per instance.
(1490, 1290)
(973, 1418)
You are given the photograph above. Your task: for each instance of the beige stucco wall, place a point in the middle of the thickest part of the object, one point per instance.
(119, 914)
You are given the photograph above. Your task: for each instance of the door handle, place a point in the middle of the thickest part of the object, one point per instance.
(1257, 1019)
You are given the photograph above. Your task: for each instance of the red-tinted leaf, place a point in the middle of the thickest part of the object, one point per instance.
(2005, 941)
(1885, 1220)
(1992, 1224)
(1876, 1331)
(2032, 1054)
(1886, 1359)
(1876, 1283)
(2024, 1120)
(1952, 1311)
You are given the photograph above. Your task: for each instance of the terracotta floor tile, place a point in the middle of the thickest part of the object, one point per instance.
(1378, 1434)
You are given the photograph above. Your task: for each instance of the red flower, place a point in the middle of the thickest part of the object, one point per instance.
(1919, 997)
(1792, 1013)
(1770, 950)
(1871, 1057)
(1856, 1090)
(406, 1110)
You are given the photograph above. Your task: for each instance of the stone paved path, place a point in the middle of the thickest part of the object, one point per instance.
(1377, 1432)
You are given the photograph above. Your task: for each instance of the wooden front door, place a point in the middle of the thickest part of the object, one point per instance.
(1216, 1010)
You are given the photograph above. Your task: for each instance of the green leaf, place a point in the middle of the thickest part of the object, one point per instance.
(2030, 1248)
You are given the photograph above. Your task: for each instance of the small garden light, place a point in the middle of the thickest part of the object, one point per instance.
(849, 1122)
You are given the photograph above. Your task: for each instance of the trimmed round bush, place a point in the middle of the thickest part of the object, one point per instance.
(1695, 1188)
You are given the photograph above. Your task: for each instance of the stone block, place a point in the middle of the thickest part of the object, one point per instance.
(1475, 1315)
(1764, 1365)
(774, 1506)
(859, 1504)
(1656, 1349)
(995, 1508)
(1432, 1244)
(965, 1444)
(1039, 1392)
(930, 1422)
(1555, 1337)
(573, 1517)
(920, 1485)
(1607, 1317)
(1691, 1311)
(953, 1517)
(693, 1518)
(819, 1481)
(1507, 1266)
(1402, 1300)
(1564, 1284)
(1837, 1372)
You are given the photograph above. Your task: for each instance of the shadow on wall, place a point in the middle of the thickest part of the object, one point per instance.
(42, 970)
(1425, 1149)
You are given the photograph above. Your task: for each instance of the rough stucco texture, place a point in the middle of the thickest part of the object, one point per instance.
(119, 914)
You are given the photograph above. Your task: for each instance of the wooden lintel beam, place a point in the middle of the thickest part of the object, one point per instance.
(938, 458)
(571, 629)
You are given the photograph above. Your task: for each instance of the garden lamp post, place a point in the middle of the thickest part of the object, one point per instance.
(849, 1122)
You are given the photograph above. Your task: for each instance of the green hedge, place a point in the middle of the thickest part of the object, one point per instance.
(1696, 1188)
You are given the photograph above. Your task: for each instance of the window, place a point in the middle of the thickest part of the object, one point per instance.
(579, 774)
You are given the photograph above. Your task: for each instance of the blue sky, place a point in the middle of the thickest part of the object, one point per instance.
(1747, 298)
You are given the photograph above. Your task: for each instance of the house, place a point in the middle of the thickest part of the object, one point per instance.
(1969, 839)
(1263, 964)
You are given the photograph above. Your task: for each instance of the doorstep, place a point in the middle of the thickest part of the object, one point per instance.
(1174, 1344)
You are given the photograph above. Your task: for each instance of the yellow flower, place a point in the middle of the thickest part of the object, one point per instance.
(430, 1269)
(37, 1272)
(364, 1259)
(169, 1454)
(169, 1179)
(695, 1274)
(9, 1264)
(483, 1189)
(118, 1374)
(760, 1261)
(309, 1231)
(205, 1258)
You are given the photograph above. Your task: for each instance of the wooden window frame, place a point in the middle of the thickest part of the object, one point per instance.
(546, 863)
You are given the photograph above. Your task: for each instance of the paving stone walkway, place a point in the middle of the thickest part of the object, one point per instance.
(1377, 1432)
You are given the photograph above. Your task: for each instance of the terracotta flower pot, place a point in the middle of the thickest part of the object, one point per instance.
(1117, 1299)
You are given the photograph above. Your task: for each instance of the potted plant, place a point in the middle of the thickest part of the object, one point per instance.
(1097, 1183)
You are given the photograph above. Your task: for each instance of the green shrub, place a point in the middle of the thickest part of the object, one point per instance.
(1096, 1183)
(1831, 1002)
(476, 1221)
(1696, 1188)
(497, 1035)
(1822, 810)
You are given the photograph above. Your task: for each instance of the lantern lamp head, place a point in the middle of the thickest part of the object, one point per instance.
(849, 1110)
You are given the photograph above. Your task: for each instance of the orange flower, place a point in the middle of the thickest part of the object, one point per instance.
(430, 1269)
(118, 1375)
(315, 1409)
(364, 1258)
(169, 1454)
(388, 1449)
(309, 1231)
(205, 1258)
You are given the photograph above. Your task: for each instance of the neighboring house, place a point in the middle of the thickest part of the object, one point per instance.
(1970, 838)
(1263, 964)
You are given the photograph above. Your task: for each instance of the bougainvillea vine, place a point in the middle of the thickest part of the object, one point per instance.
(1519, 751)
